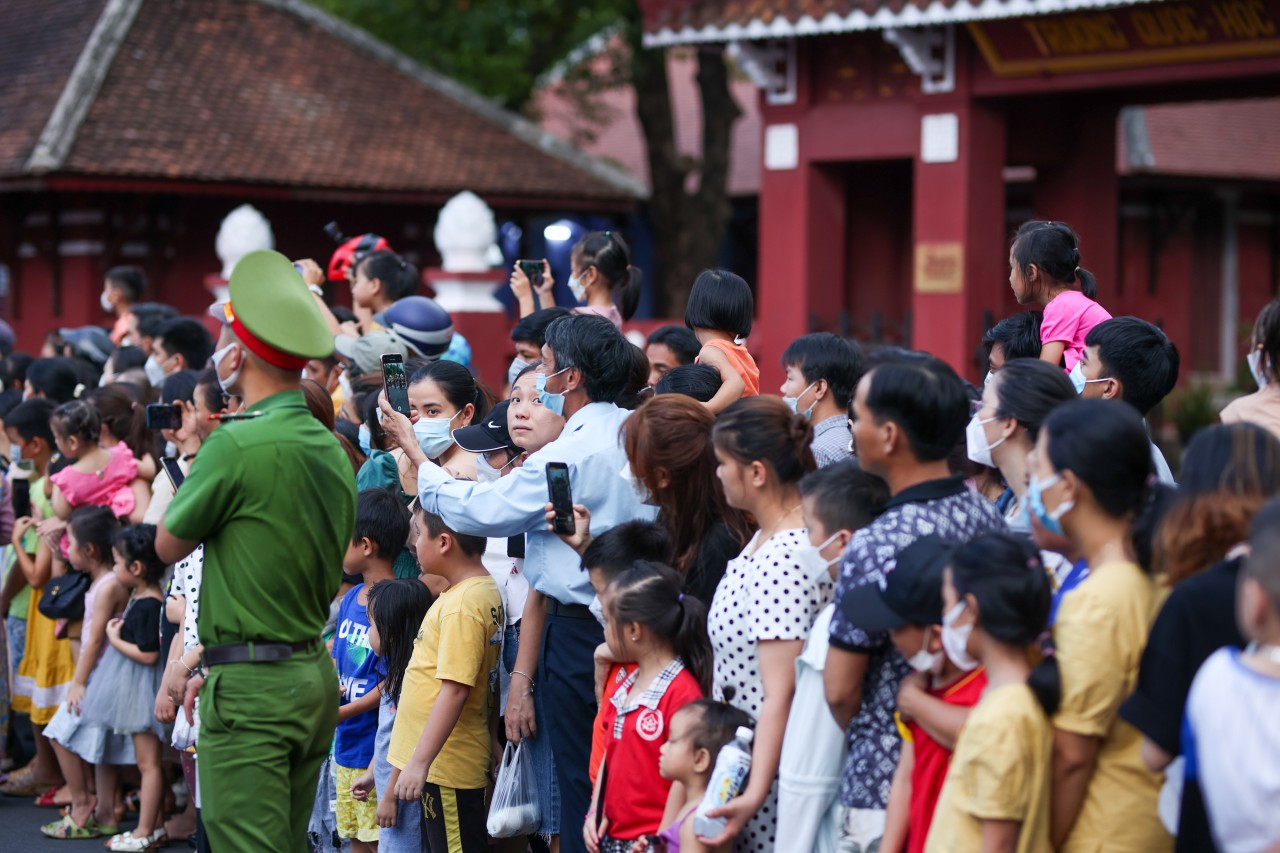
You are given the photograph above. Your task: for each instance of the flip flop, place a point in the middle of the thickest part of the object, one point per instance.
(66, 829)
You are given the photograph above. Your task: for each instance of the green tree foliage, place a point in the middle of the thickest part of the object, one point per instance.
(497, 47)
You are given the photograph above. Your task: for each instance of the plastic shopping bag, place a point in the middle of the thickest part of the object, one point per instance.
(514, 810)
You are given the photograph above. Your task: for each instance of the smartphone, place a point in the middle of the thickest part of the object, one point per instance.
(561, 497)
(532, 271)
(395, 381)
(170, 466)
(163, 416)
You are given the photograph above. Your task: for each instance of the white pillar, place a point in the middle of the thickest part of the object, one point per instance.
(1230, 319)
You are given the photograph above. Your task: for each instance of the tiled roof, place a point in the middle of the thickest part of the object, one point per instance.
(613, 132)
(1214, 139)
(669, 22)
(39, 43)
(276, 92)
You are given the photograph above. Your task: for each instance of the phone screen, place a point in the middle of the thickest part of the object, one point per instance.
(171, 469)
(396, 383)
(532, 271)
(162, 416)
(561, 497)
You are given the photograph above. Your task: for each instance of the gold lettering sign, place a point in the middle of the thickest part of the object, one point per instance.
(940, 268)
(1143, 35)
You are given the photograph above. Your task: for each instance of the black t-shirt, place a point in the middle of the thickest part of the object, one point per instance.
(142, 624)
(718, 547)
(1197, 619)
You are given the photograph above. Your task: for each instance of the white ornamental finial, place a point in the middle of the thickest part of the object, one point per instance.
(244, 230)
(464, 233)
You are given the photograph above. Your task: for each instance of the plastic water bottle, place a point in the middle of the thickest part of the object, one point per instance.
(732, 765)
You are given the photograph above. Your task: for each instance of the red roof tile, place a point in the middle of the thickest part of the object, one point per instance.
(39, 43)
(275, 92)
(1216, 139)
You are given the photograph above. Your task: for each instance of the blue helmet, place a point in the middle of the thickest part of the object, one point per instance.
(421, 323)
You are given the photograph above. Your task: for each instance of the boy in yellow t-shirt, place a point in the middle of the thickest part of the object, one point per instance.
(439, 749)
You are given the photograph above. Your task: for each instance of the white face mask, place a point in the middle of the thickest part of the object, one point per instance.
(577, 288)
(344, 385)
(793, 403)
(434, 435)
(1255, 368)
(987, 380)
(975, 437)
(597, 609)
(1078, 380)
(105, 302)
(154, 368)
(812, 563)
(486, 473)
(925, 660)
(518, 365)
(955, 640)
(228, 383)
(643, 495)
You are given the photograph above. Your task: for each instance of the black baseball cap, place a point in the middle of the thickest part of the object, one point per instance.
(489, 433)
(911, 594)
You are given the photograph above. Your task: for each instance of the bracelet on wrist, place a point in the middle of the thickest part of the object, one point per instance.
(524, 675)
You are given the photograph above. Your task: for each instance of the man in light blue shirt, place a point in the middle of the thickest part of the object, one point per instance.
(586, 363)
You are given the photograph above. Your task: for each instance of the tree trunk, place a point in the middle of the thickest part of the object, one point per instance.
(688, 222)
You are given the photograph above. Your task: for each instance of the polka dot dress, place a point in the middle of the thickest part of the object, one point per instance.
(186, 582)
(763, 596)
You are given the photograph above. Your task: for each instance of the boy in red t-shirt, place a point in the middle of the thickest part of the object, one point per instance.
(934, 701)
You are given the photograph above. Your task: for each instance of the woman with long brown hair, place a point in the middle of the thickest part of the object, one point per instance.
(668, 441)
(1228, 473)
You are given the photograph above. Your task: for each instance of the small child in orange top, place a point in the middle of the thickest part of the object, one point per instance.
(719, 312)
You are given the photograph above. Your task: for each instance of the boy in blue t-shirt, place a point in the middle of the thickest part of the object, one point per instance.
(381, 530)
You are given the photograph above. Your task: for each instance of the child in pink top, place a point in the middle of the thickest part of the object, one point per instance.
(1044, 267)
(98, 477)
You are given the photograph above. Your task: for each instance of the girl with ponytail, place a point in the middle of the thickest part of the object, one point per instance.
(996, 796)
(1044, 268)
(601, 277)
(767, 601)
(650, 621)
(1091, 481)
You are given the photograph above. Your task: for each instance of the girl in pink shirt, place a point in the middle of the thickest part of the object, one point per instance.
(1044, 267)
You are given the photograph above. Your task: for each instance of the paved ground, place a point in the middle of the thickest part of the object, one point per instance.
(20, 824)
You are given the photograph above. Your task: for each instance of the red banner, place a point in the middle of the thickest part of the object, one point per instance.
(1136, 36)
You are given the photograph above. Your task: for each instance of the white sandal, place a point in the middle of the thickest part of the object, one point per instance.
(127, 841)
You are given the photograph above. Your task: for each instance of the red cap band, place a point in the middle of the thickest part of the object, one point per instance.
(260, 348)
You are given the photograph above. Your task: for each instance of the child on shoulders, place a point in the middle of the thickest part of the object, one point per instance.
(1044, 268)
(98, 477)
(720, 312)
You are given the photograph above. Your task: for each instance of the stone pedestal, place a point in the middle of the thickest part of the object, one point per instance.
(478, 317)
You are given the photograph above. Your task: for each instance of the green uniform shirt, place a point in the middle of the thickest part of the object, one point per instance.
(274, 502)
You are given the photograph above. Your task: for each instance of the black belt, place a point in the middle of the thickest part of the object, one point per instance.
(568, 611)
(256, 652)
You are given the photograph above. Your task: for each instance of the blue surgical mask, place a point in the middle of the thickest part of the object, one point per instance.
(1050, 521)
(793, 403)
(553, 402)
(366, 440)
(434, 435)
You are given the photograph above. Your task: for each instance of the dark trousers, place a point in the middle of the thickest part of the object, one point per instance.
(567, 680)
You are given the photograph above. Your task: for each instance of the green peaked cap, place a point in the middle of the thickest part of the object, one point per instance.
(273, 302)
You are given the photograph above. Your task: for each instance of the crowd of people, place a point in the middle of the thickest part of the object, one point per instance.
(253, 601)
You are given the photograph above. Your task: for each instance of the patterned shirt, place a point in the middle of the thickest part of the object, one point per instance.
(831, 439)
(942, 508)
(650, 698)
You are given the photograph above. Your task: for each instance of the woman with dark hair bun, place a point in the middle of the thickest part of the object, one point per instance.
(1090, 481)
(768, 599)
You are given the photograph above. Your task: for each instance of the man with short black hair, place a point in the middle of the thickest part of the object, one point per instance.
(668, 347)
(909, 414)
(1013, 337)
(1129, 359)
(822, 371)
(586, 363)
(181, 344)
(121, 288)
(529, 334)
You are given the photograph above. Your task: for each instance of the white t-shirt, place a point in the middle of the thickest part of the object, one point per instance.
(1231, 738)
(508, 574)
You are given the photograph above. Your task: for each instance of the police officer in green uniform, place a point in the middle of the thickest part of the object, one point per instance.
(272, 498)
